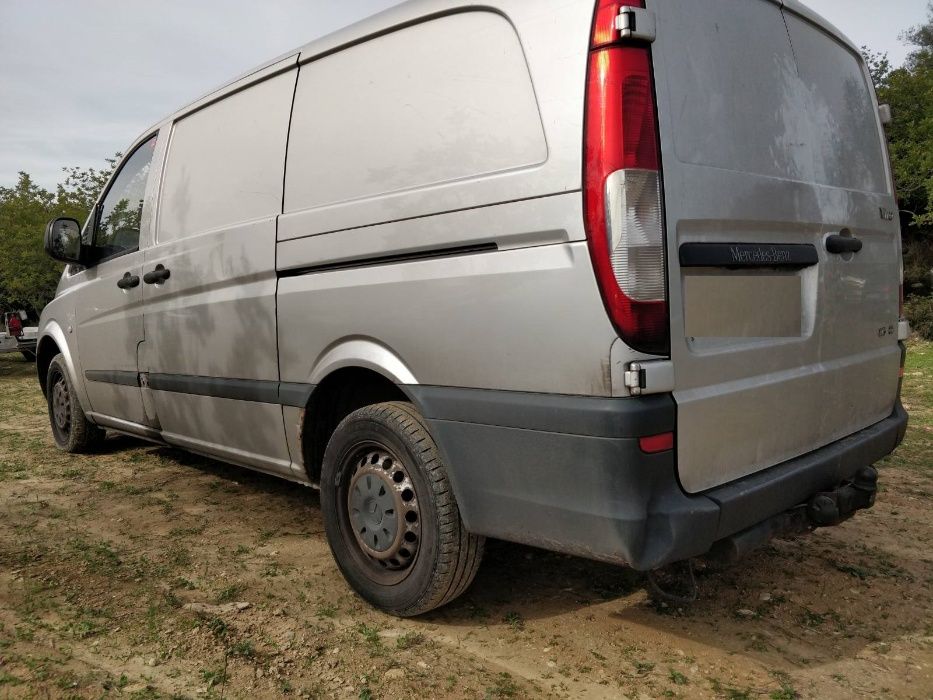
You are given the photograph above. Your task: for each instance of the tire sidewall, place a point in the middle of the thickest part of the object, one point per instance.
(57, 369)
(372, 427)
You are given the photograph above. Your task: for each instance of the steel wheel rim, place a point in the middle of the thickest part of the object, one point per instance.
(382, 511)
(61, 404)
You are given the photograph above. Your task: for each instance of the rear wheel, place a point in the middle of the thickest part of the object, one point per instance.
(72, 431)
(391, 518)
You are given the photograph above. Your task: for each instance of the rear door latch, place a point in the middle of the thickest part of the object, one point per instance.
(652, 377)
(636, 24)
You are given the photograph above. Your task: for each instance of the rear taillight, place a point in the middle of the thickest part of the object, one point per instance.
(622, 185)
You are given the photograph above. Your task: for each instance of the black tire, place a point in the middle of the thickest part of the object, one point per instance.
(384, 455)
(72, 431)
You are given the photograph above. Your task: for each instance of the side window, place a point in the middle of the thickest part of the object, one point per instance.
(117, 229)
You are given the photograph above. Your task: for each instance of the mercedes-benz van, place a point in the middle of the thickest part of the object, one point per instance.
(617, 279)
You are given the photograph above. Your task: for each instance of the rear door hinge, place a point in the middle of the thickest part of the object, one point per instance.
(636, 24)
(653, 377)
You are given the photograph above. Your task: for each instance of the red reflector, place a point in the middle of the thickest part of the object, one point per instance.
(656, 443)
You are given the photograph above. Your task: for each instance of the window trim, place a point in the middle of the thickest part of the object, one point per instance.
(95, 212)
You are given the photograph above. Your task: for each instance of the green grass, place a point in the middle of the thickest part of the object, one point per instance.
(409, 640)
(230, 593)
(370, 634)
(916, 452)
(503, 687)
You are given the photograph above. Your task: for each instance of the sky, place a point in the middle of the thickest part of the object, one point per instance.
(81, 79)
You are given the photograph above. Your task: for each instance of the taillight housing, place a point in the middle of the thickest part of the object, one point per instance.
(622, 192)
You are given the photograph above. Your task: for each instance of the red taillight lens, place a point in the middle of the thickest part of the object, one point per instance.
(622, 186)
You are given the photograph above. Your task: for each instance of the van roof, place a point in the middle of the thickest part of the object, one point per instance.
(396, 17)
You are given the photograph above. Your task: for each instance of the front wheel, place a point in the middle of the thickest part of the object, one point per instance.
(72, 431)
(391, 518)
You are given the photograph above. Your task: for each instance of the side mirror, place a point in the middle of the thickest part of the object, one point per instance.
(63, 240)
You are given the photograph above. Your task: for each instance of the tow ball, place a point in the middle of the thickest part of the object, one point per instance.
(832, 507)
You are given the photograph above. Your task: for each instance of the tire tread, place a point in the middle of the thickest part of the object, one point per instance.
(459, 552)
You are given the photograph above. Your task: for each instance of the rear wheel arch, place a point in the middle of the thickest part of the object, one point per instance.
(336, 396)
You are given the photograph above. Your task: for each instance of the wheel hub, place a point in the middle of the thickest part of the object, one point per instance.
(383, 509)
(61, 408)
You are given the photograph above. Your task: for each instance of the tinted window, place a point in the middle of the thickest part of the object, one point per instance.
(122, 209)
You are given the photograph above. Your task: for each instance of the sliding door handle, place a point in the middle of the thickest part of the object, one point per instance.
(157, 276)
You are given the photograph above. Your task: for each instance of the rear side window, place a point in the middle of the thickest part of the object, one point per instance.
(226, 161)
(121, 210)
(446, 100)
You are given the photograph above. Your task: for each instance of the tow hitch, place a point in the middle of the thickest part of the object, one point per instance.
(677, 584)
(832, 507)
(824, 509)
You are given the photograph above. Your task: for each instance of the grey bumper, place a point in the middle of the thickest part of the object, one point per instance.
(566, 474)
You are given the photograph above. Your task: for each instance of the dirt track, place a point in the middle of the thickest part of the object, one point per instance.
(120, 576)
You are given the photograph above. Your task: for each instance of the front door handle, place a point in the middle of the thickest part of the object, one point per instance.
(128, 281)
(157, 276)
(838, 244)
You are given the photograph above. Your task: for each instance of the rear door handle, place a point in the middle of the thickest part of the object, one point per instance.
(128, 281)
(838, 244)
(157, 276)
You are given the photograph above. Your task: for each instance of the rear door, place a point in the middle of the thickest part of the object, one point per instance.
(783, 338)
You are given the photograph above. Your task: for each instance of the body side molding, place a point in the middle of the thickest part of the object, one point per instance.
(256, 390)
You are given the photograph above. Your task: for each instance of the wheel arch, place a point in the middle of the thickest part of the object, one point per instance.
(362, 352)
(51, 343)
(353, 372)
(344, 390)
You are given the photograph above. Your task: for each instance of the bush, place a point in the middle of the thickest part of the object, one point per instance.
(919, 311)
(918, 265)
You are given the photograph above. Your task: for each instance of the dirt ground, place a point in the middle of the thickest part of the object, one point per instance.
(145, 572)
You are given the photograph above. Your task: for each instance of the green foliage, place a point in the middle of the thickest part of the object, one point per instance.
(909, 91)
(919, 311)
(27, 277)
(918, 266)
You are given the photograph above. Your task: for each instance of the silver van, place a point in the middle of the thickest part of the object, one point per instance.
(616, 279)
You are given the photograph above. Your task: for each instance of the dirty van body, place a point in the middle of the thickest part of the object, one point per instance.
(613, 280)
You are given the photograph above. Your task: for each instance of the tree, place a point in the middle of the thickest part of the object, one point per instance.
(81, 186)
(909, 91)
(27, 277)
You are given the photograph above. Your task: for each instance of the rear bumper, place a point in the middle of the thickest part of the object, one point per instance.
(566, 473)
